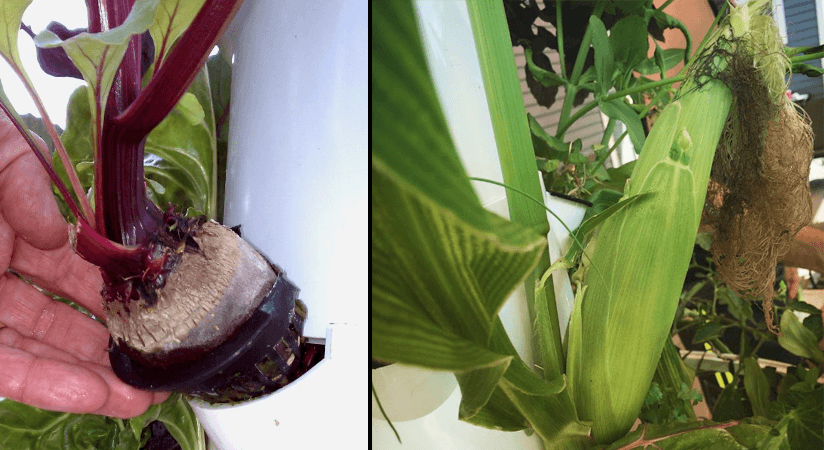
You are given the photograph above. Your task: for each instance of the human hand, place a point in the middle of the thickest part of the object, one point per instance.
(51, 356)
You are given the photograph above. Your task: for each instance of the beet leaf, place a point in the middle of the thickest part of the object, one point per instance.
(172, 18)
(10, 17)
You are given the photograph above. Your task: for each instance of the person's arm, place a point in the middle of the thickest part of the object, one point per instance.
(807, 250)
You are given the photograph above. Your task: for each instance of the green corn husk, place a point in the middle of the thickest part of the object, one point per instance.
(642, 254)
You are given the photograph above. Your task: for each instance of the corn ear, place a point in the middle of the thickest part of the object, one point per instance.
(643, 253)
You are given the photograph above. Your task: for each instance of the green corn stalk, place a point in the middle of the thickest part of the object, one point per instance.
(619, 327)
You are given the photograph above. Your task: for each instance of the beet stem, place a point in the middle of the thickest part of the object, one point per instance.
(124, 212)
(179, 69)
(88, 213)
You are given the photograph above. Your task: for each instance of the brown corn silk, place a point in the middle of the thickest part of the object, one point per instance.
(759, 197)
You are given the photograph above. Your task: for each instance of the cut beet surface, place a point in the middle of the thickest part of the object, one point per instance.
(203, 295)
(264, 354)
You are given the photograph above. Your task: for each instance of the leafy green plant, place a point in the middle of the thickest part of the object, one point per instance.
(712, 313)
(670, 397)
(601, 46)
(418, 181)
(25, 427)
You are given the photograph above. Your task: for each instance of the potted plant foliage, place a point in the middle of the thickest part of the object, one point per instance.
(148, 131)
(629, 259)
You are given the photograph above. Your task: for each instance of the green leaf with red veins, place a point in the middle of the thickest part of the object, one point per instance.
(98, 55)
(11, 13)
(171, 19)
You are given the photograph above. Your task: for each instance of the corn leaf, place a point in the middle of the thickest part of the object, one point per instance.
(521, 394)
(578, 236)
(574, 340)
(517, 159)
(442, 265)
(601, 200)
(505, 100)
(548, 406)
(499, 413)
(593, 222)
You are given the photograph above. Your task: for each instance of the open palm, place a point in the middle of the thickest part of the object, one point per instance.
(51, 356)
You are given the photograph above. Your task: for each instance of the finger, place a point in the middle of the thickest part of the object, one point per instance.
(35, 315)
(124, 401)
(6, 245)
(60, 271)
(792, 280)
(50, 384)
(27, 202)
(11, 338)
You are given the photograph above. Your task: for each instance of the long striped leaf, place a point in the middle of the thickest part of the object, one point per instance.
(517, 158)
(548, 406)
(442, 265)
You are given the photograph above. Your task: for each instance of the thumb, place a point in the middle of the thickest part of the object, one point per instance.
(28, 205)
